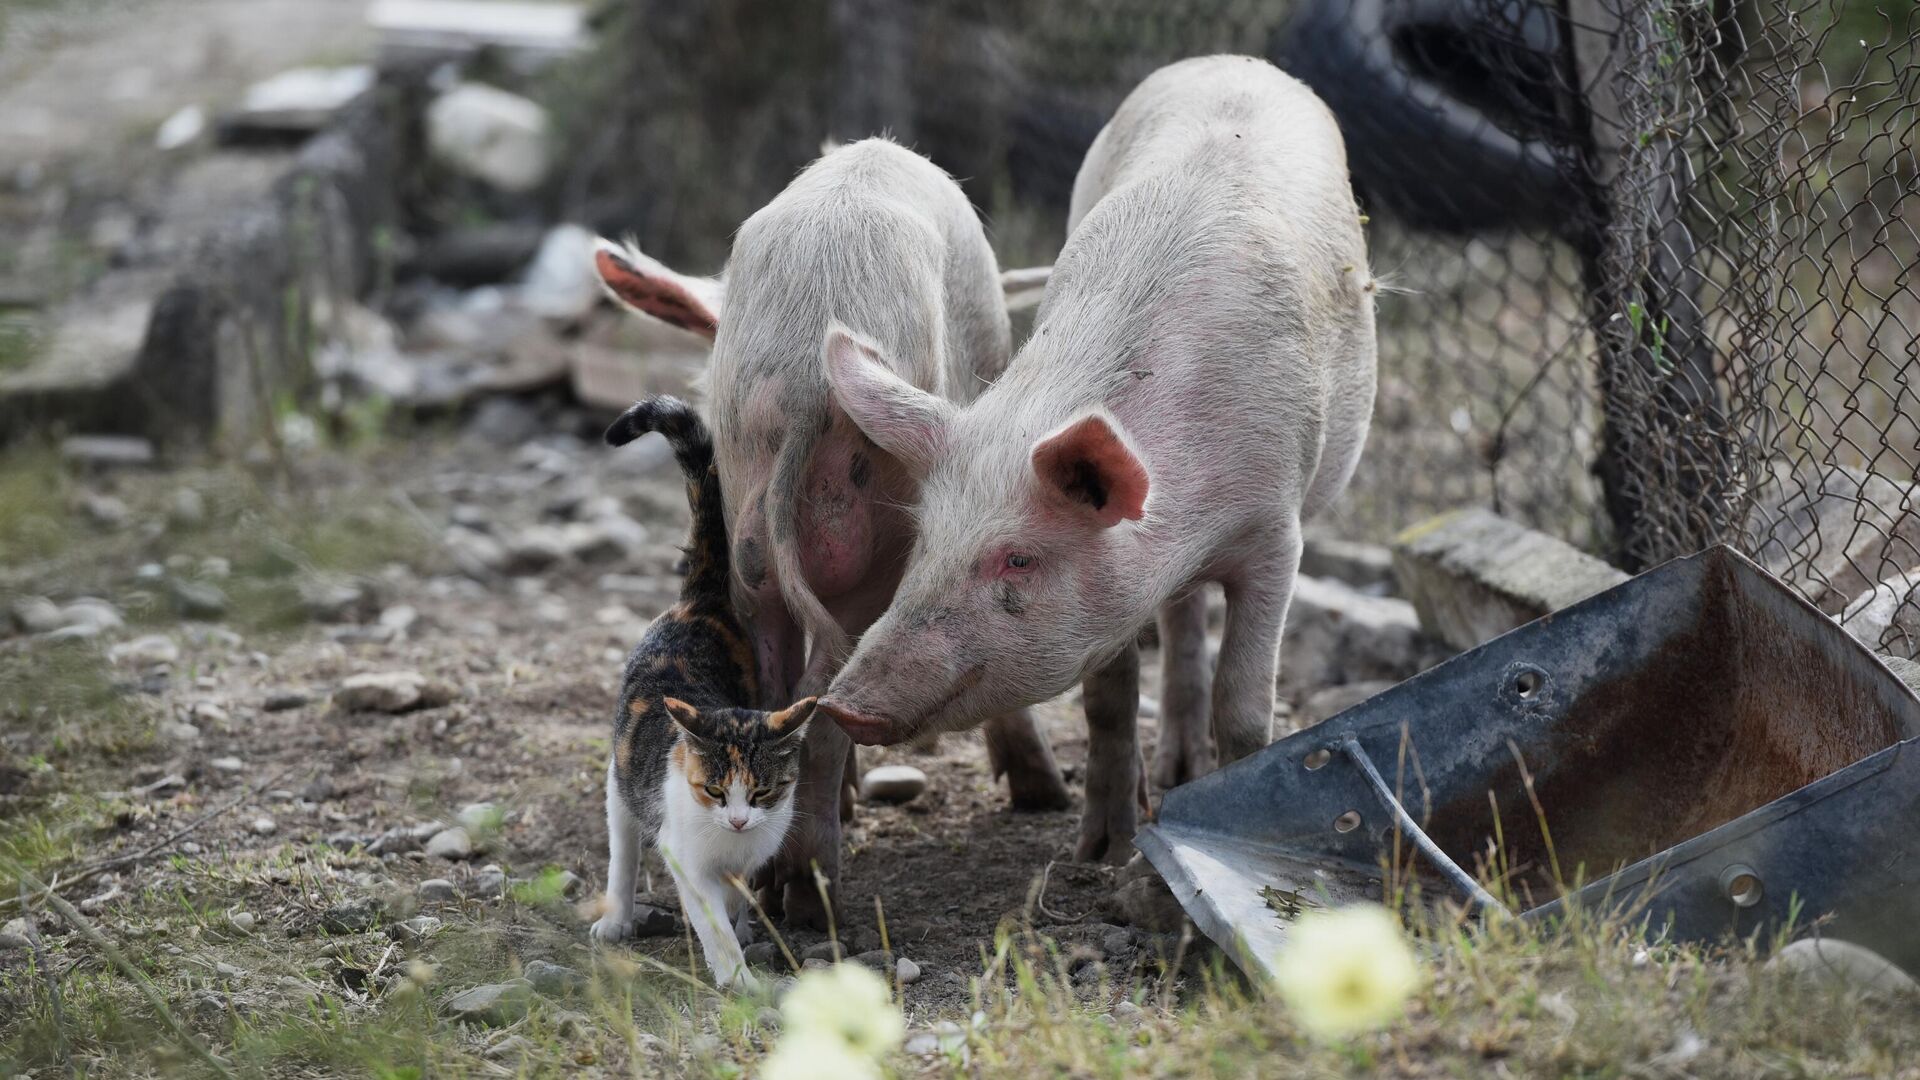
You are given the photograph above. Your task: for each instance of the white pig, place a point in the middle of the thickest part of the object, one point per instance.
(1198, 384)
(875, 237)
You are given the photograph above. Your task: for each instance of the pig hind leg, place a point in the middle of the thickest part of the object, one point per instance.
(1116, 775)
(1257, 599)
(1016, 747)
(1185, 750)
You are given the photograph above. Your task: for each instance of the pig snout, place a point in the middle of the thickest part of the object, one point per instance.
(864, 728)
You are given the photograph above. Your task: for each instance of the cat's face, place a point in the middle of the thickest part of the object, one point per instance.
(740, 765)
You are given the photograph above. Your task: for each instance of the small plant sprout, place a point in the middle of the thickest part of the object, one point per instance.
(1346, 971)
(836, 1023)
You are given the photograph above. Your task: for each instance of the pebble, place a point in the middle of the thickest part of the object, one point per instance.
(480, 817)
(417, 929)
(227, 764)
(399, 618)
(264, 826)
(452, 843)
(494, 1004)
(90, 611)
(243, 921)
(1842, 962)
(146, 651)
(37, 615)
(355, 916)
(553, 980)
(215, 568)
(892, 783)
(187, 510)
(178, 731)
(814, 963)
(104, 510)
(13, 936)
(208, 713)
(1126, 1012)
(103, 450)
(435, 890)
(906, 971)
(390, 692)
(828, 950)
(652, 921)
(510, 1047)
(282, 700)
(197, 599)
(764, 954)
(490, 882)
(943, 1037)
(535, 549)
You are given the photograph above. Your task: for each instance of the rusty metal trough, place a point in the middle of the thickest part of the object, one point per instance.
(1708, 751)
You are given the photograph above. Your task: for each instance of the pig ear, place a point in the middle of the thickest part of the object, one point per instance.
(900, 418)
(645, 285)
(1089, 465)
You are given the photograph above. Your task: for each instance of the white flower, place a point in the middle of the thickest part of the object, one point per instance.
(814, 1056)
(845, 1002)
(1346, 971)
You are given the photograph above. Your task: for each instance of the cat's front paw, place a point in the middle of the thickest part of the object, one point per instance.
(610, 929)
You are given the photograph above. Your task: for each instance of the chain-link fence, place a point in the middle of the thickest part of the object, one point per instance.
(1650, 262)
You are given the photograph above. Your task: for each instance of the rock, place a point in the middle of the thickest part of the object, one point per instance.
(1337, 634)
(208, 714)
(187, 509)
(512, 1046)
(875, 960)
(652, 921)
(945, 1037)
(197, 599)
(571, 885)
(814, 963)
(475, 553)
(489, 883)
(181, 130)
(560, 282)
(1368, 567)
(1142, 899)
(1888, 615)
(553, 980)
(437, 890)
(1337, 699)
(414, 930)
(102, 451)
(14, 936)
(490, 135)
(1842, 962)
(1473, 575)
(297, 102)
(453, 29)
(390, 692)
(906, 971)
(37, 615)
(243, 921)
(454, 844)
(356, 916)
(492, 1005)
(282, 700)
(178, 731)
(319, 789)
(263, 826)
(535, 549)
(93, 613)
(764, 954)
(481, 817)
(215, 568)
(1126, 1012)
(145, 651)
(399, 618)
(227, 764)
(345, 841)
(105, 511)
(335, 599)
(892, 783)
(828, 950)
(501, 420)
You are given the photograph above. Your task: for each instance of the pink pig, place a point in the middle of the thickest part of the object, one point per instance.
(876, 237)
(1197, 385)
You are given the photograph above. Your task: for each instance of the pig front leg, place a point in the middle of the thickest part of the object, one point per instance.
(814, 836)
(1116, 775)
(1185, 750)
(1016, 748)
(1257, 598)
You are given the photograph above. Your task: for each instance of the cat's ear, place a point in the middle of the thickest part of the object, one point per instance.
(687, 717)
(790, 723)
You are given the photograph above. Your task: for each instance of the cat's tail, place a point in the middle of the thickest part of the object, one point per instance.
(708, 557)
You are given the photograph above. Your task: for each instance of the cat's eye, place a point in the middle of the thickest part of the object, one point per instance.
(1018, 561)
(714, 791)
(764, 795)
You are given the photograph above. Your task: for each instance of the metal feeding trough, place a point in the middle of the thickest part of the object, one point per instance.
(1706, 749)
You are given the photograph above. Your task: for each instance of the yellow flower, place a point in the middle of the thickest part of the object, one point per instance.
(845, 1002)
(1346, 971)
(812, 1056)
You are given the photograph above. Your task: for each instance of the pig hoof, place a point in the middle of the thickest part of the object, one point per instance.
(804, 908)
(1036, 791)
(1177, 767)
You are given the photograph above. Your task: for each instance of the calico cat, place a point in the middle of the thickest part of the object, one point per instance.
(706, 779)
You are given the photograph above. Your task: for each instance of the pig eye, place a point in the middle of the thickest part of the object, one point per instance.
(1017, 561)
(716, 792)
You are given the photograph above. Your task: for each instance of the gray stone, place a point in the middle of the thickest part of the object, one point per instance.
(560, 283)
(475, 553)
(652, 921)
(178, 731)
(395, 841)
(892, 783)
(814, 963)
(197, 599)
(227, 764)
(282, 700)
(764, 954)
(106, 450)
(906, 971)
(554, 980)
(1337, 634)
(1334, 700)
(146, 651)
(1473, 575)
(105, 511)
(263, 826)
(828, 950)
(1116, 943)
(876, 960)
(437, 890)
(297, 101)
(536, 549)
(1888, 615)
(453, 844)
(491, 135)
(355, 916)
(480, 817)
(37, 615)
(488, 883)
(14, 936)
(492, 1005)
(92, 612)
(453, 29)
(1832, 960)
(187, 510)
(512, 1046)
(390, 692)
(1140, 898)
(944, 1037)
(415, 930)
(1364, 566)
(335, 599)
